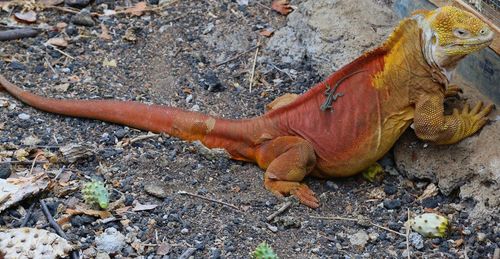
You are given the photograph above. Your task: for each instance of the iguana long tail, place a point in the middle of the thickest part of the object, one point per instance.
(231, 135)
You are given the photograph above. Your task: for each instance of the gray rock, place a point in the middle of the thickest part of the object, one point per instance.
(24, 116)
(77, 3)
(314, 30)
(157, 190)
(5, 171)
(481, 237)
(359, 240)
(111, 241)
(102, 256)
(83, 19)
(471, 166)
(416, 240)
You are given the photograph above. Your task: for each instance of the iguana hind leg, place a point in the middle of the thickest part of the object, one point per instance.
(287, 161)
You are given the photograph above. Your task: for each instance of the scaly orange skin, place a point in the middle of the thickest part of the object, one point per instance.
(383, 92)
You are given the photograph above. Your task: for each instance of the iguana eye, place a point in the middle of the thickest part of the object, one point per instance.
(461, 33)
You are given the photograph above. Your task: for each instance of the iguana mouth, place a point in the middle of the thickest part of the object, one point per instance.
(472, 44)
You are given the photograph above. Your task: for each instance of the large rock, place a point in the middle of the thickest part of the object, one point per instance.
(331, 33)
(471, 166)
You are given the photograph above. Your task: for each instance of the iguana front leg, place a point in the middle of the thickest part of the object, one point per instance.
(287, 161)
(431, 124)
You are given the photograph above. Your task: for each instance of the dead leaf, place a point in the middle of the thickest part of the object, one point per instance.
(62, 87)
(61, 26)
(130, 34)
(141, 207)
(266, 32)
(163, 249)
(74, 152)
(21, 154)
(105, 33)
(458, 242)
(136, 10)
(73, 79)
(109, 63)
(122, 211)
(28, 17)
(59, 42)
(430, 191)
(14, 190)
(95, 213)
(282, 6)
(31, 141)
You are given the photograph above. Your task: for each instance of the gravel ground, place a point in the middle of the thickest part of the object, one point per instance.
(175, 60)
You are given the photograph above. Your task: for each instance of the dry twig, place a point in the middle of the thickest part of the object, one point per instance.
(56, 227)
(18, 34)
(209, 199)
(279, 211)
(235, 57)
(356, 220)
(28, 215)
(254, 64)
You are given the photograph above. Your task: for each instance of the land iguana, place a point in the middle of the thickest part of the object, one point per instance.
(340, 126)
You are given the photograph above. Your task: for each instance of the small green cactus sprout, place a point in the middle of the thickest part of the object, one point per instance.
(96, 193)
(373, 173)
(264, 251)
(430, 225)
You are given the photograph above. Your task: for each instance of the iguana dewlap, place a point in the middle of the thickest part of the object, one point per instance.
(340, 126)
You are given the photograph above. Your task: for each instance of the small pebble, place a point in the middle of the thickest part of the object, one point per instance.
(24, 116)
(184, 231)
(390, 189)
(392, 204)
(416, 240)
(5, 171)
(77, 3)
(83, 19)
(157, 190)
(481, 237)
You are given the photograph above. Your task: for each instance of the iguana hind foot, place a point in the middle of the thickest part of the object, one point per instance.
(284, 188)
(287, 161)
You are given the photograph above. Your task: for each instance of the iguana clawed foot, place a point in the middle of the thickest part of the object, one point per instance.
(453, 91)
(284, 188)
(475, 118)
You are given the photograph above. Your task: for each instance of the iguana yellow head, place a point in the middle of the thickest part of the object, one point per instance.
(450, 33)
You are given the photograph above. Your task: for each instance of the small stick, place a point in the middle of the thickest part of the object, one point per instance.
(282, 71)
(60, 51)
(143, 137)
(333, 218)
(18, 34)
(26, 162)
(28, 215)
(254, 64)
(408, 229)
(351, 219)
(56, 227)
(209, 199)
(234, 57)
(264, 6)
(281, 210)
(387, 229)
(190, 251)
(33, 164)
